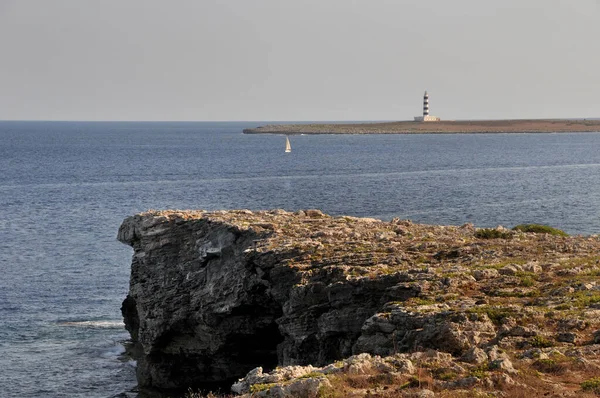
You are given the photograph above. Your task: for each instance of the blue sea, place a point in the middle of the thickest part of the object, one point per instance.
(65, 187)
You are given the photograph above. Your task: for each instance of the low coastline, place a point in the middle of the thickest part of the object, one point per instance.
(442, 127)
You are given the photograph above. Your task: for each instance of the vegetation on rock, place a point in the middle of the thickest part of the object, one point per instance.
(490, 233)
(539, 229)
(592, 385)
(380, 309)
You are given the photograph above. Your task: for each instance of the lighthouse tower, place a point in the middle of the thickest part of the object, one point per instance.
(426, 117)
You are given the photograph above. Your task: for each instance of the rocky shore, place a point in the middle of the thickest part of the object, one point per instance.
(442, 127)
(303, 304)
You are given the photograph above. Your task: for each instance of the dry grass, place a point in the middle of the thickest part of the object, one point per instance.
(554, 377)
(375, 385)
(197, 394)
(545, 377)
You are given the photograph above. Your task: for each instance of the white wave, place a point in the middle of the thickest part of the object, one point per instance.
(113, 352)
(95, 324)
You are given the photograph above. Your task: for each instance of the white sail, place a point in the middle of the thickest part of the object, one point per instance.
(288, 147)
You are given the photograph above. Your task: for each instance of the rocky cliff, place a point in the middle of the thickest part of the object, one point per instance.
(214, 295)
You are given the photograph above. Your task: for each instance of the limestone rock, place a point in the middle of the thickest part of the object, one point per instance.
(427, 326)
(481, 274)
(306, 381)
(279, 375)
(503, 364)
(304, 388)
(494, 353)
(511, 269)
(215, 295)
(475, 355)
(566, 337)
(533, 267)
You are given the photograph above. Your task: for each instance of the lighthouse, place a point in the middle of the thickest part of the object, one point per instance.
(426, 117)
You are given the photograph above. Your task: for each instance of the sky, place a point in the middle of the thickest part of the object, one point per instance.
(258, 60)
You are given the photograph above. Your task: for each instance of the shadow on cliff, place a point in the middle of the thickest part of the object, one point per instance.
(200, 310)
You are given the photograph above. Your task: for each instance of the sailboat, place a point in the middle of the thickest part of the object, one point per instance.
(288, 147)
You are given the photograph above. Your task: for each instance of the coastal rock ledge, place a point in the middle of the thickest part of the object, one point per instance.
(307, 297)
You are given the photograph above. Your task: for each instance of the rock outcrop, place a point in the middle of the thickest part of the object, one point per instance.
(214, 295)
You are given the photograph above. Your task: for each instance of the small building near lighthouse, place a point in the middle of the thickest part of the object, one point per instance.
(426, 117)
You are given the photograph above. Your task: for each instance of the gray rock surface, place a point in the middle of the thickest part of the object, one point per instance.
(215, 295)
(209, 299)
(195, 306)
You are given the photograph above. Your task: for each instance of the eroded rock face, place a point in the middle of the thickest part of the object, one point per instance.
(424, 327)
(215, 295)
(210, 299)
(197, 306)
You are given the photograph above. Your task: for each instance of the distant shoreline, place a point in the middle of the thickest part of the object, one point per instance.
(442, 127)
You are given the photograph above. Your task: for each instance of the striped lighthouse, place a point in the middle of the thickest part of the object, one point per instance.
(426, 117)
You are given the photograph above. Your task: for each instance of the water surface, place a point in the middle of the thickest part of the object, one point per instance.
(66, 187)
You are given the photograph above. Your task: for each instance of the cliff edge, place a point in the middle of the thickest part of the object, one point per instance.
(214, 295)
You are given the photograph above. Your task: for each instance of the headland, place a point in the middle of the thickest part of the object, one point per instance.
(439, 127)
(307, 305)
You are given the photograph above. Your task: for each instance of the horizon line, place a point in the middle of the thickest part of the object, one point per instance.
(278, 121)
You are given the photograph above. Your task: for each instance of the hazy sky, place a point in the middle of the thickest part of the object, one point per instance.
(298, 59)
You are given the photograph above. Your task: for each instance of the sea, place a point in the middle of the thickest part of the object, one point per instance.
(65, 187)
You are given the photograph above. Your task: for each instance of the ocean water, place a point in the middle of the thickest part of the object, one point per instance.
(65, 187)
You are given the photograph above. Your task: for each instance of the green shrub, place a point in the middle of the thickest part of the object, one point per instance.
(584, 299)
(413, 382)
(311, 375)
(420, 301)
(527, 281)
(496, 314)
(539, 229)
(448, 375)
(563, 306)
(540, 342)
(491, 233)
(592, 385)
(254, 388)
(480, 371)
